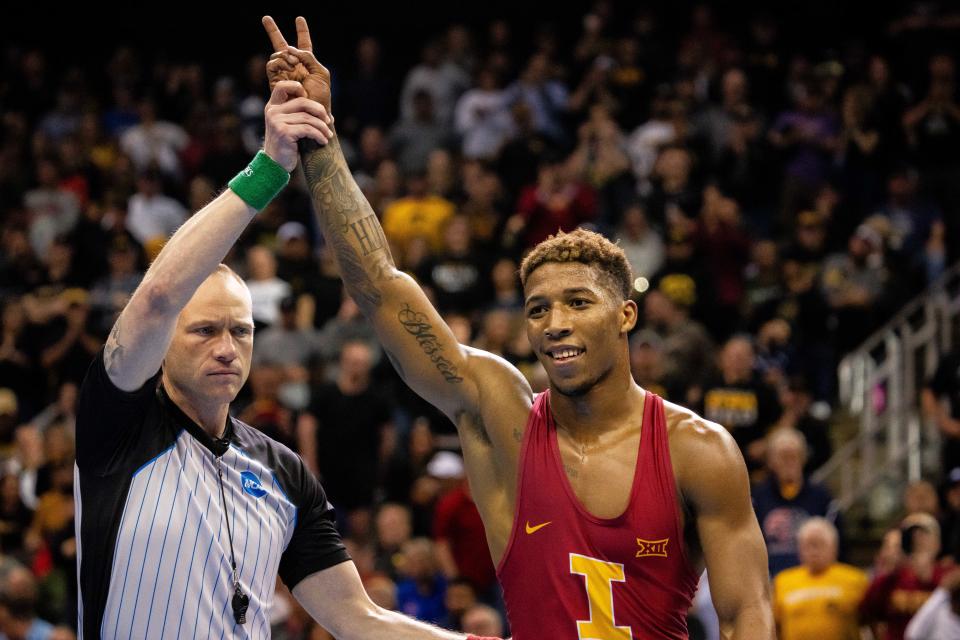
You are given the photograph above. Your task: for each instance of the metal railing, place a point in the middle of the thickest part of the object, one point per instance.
(880, 384)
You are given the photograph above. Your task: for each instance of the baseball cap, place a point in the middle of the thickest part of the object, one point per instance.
(445, 465)
(679, 288)
(8, 402)
(75, 295)
(953, 477)
(290, 230)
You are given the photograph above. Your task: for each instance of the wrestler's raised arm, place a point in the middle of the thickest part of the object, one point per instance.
(420, 345)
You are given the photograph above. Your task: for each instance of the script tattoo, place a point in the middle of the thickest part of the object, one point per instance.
(416, 325)
(348, 222)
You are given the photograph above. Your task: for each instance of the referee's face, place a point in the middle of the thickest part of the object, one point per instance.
(209, 356)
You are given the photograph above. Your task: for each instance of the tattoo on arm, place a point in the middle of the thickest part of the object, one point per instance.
(369, 234)
(573, 473)
(112, 350)
(416, 325)
(348, 222)
(518, 434)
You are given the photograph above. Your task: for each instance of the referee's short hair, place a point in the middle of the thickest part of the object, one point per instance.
(225, 270)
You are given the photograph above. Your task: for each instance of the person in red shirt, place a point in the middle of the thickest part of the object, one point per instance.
(556, 201)
(908, 572)
(461, 543)
(601, 502)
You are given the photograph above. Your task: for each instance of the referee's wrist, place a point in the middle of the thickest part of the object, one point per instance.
(260, 182)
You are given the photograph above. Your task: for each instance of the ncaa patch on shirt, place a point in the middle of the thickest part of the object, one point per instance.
(252, 485)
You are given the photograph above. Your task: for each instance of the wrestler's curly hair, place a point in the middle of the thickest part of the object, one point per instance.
(586, 247)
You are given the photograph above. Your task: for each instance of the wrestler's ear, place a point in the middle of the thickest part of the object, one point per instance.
(628, 316)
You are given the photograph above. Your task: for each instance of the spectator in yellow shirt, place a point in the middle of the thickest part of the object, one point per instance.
(818, 599)
(417, 215)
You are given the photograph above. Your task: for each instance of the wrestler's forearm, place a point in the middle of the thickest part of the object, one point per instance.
(336, 599)
(418, 342)
(390, 625)
(750, 623)
(348, 223)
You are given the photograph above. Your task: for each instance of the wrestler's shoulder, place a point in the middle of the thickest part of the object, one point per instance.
(501, 385)
(691, 433)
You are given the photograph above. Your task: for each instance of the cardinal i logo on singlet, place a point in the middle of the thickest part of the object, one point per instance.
(252, 485)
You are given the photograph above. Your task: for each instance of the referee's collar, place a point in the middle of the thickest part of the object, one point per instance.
(217, 446)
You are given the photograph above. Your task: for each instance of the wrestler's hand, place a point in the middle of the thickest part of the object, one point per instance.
(290, 116)
(297, 63)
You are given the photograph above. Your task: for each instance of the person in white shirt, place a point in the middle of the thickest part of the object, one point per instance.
(646, 141)
(154, 142)
(482, 118)
(151, 214)
(52, 210)
(939, 617)
(443, 80)
(266, 289)
(642, 244)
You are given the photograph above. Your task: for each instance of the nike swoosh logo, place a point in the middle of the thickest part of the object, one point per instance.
(536, 528)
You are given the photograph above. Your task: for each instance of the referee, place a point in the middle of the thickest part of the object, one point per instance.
(185, 516)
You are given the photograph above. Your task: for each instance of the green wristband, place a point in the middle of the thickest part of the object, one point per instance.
(260, 182)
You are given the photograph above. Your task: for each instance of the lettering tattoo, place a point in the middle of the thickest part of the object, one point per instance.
(348, 222)
(112, 350)
(416, 325)
(369, 234)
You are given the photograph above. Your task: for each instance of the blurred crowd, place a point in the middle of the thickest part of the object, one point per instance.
(776, 203)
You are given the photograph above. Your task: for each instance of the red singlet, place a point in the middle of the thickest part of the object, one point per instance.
(568, 575)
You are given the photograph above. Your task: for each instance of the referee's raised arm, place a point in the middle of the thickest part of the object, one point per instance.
(140, 338)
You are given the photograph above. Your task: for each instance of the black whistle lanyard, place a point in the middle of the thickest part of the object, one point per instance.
(240, 601)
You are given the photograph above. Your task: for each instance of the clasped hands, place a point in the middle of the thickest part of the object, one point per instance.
(299, 105)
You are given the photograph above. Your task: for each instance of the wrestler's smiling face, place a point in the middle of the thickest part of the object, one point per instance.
(576, 323)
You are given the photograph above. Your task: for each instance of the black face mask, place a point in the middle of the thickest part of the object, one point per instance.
(906, 537)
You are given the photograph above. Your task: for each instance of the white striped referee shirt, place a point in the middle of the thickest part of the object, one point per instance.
(153, 552)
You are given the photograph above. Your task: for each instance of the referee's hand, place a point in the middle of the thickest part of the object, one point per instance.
(290, 116)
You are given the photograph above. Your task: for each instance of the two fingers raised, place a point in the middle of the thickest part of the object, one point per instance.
(277, 39)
